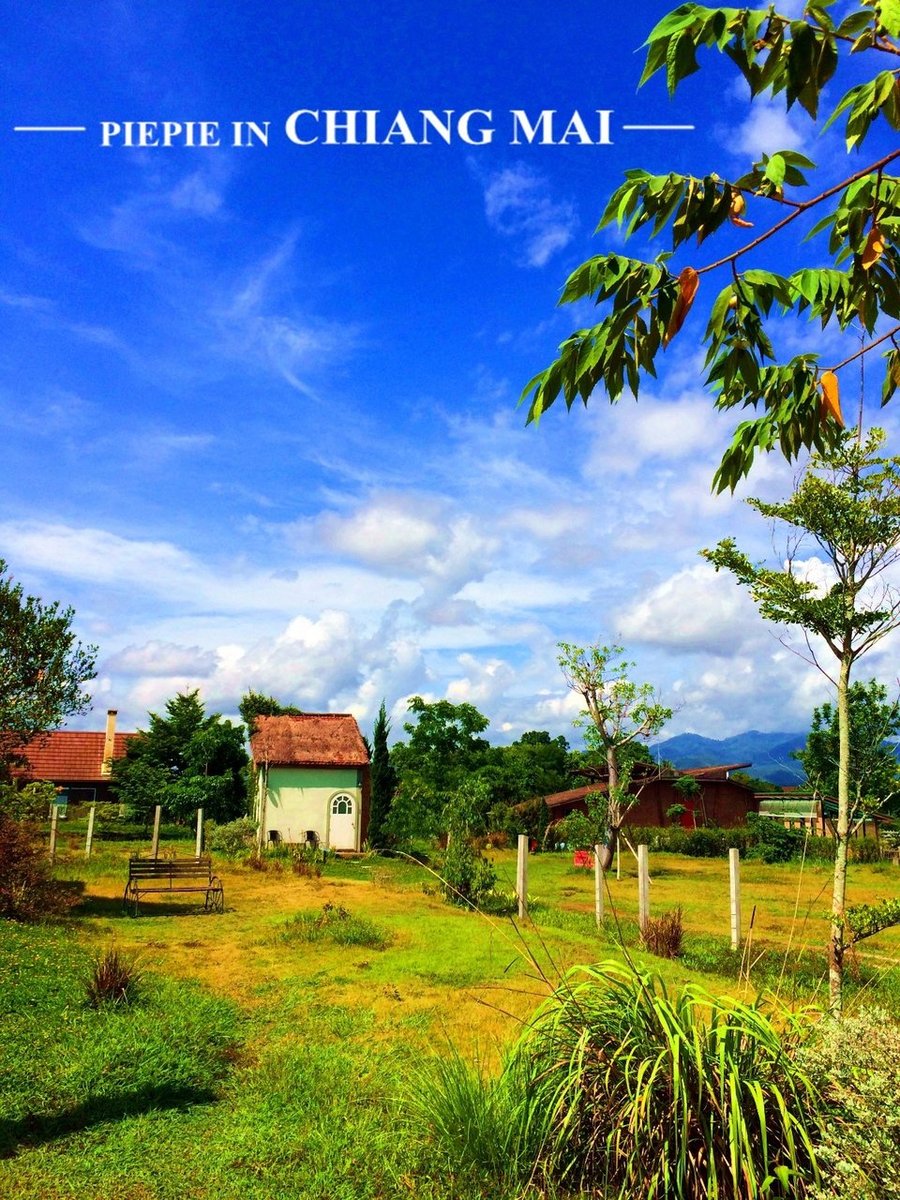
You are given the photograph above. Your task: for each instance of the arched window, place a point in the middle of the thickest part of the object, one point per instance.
(342, 805)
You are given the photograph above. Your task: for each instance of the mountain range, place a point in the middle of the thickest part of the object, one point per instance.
(769, 753)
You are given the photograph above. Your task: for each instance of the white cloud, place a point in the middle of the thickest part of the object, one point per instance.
(162, 658)
(389, 534)
(518, 204)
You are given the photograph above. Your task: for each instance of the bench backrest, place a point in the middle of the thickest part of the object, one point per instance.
(169, 868)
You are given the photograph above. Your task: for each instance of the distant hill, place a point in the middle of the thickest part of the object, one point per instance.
(770, 753)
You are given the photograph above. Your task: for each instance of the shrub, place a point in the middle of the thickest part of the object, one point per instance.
(335, 924)
(705, 843)
(306, 860)
(114, 979)
(854, 1063)
(663, 935)
(772, 842)
(28, 891)
(466, 875)
(30, 802)
(653, 1096)
(232, 839)
(865, 850)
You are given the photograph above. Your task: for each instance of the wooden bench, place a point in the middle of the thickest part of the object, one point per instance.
(148, 876)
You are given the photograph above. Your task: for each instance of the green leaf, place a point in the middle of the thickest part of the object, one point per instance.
(889, 17)
(681, 60)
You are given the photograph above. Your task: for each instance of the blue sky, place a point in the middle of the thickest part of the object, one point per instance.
(259, 402)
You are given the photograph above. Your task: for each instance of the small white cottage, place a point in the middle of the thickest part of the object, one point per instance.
(312, 780)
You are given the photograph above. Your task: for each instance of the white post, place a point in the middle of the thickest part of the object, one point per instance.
(643, 886)
(598, 888)
(199, 844)
(89, 840)
(618, 859)
(734, 871)
(522, 876)
(54, 817)
(154, 849)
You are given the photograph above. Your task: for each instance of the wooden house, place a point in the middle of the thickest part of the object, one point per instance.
(718, 799)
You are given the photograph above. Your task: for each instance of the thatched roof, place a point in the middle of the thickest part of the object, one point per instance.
(309, 740)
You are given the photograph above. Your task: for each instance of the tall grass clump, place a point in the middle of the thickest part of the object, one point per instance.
(480, 1126)
(664, 935)
(657, 1096)
(113, 979)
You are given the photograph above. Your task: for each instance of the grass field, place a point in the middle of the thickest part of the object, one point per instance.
(270, 1049)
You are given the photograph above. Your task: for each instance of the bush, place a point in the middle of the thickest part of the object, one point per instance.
(865, 850)
(663, 936)
(854, 1063)
(772, 842)
(466, 875)
(28, 891)
(114, 979)
(706, 843)
(232, 839)
(647, 1095)
(30, 802)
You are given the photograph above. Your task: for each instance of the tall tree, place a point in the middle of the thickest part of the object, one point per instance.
(384, 777)
(43, 668)
(847, 504)
(619, 715)
(874, 770)
(186, 760)
(443, 750)
(851, 281)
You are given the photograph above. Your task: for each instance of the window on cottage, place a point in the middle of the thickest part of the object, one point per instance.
(342, 806)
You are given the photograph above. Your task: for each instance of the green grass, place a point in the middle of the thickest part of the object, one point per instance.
(254, 1065)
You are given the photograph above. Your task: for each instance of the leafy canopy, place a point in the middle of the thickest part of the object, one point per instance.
(853, 280)
(186, 760)
(874, 771)
(847, 504)
(43, 668)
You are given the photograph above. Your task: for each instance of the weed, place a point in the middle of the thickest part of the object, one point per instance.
(114, 979)
(663, 935)
(335, 924)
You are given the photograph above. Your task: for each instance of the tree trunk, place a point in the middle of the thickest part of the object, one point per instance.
(839, 892)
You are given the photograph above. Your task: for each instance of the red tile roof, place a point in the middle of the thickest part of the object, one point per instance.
(67, 756)
(701, 774)
(309, 740)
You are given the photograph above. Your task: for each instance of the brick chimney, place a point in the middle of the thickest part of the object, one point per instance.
(109, 743)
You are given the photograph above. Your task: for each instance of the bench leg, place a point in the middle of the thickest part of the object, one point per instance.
(131, 896)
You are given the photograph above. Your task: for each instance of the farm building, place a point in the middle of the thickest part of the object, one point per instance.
(797, 809)
(719, 799)
(312, 780)
(78, 764)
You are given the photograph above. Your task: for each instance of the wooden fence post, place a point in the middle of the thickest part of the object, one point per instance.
(54, 817)
(643, 856)
(199, 843)
(522, 876)
(154, 849)
(598, 888)
(734, 872)
(89, 840)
